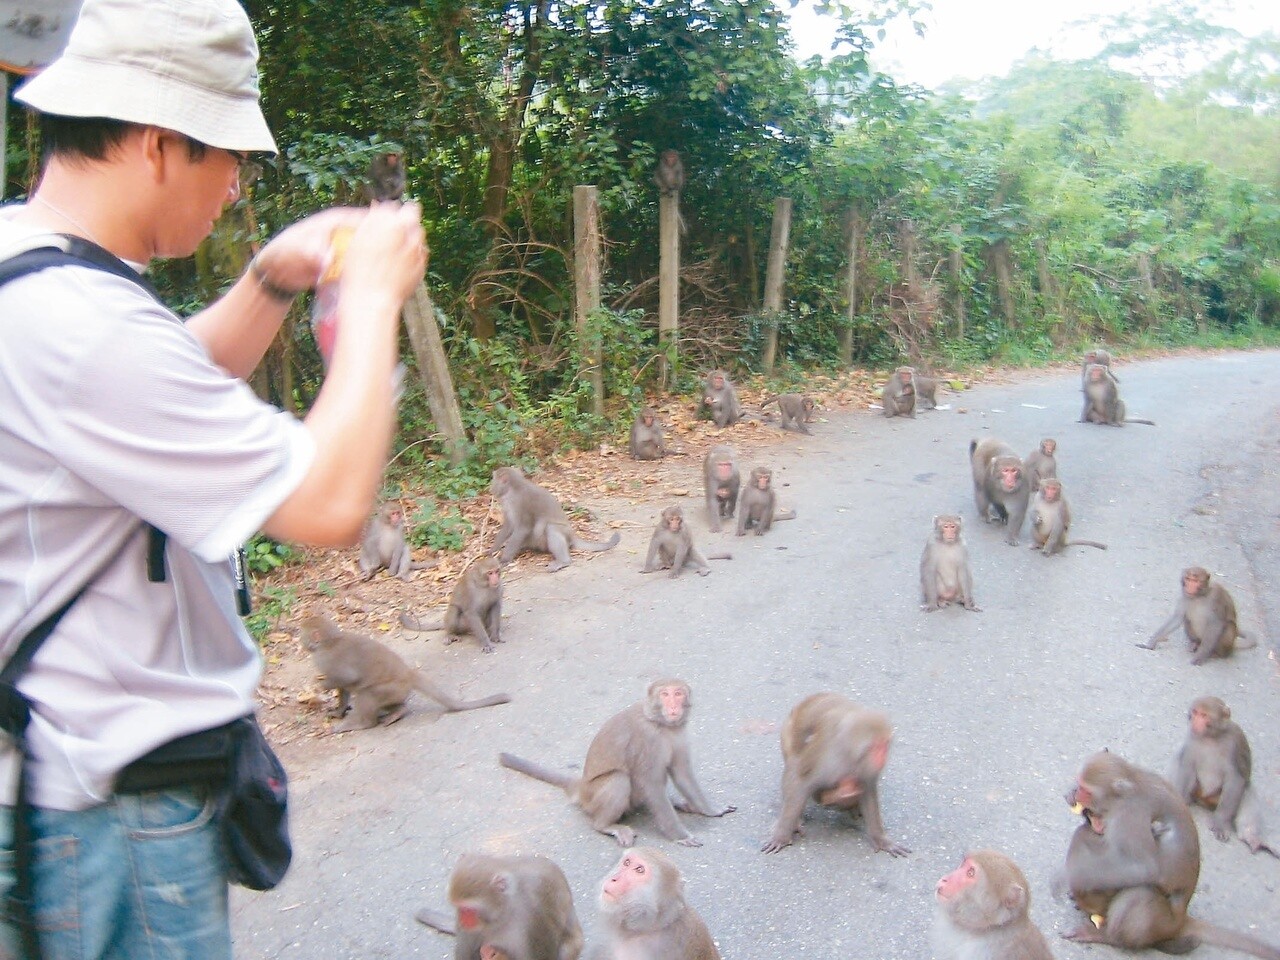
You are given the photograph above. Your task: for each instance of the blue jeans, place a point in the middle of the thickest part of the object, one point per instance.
(139, 878)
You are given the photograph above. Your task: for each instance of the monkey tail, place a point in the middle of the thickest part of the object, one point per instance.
(580, 544)
(538, 772)
(772, 398)
(1219, 937)
(973, 445)
(453, 704)
(436, 919)
(410, 622)
(1249, 644)
(719, 556)
(784, 515)
(1149, 423)
(1086, 543)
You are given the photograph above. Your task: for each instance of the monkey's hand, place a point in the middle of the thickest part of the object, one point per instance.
(1085, 933)
(885, 845)
(972, 607)
(1222, 831)
(1151, 644)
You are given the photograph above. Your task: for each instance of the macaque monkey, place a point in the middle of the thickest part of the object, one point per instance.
(628, 764)
(384, 545)
(899, 396)
(926, 392)
(475, 607)
(721, 480)
(720, 400)
(1207, 614)
(833, 752)
(532, 519)
(669, 175)
(945, 577)
(1041, 463)
(671, 547)
(1214, 768)
(795, 410)
(1102, 403)
(645, 915)
(371, 679)
(999, 483)
(386, 177)
(647, 442)
(1051, 519)
(1099, 356)
(508, 908)
(757, 503)
(981, 912)
(1133, 864)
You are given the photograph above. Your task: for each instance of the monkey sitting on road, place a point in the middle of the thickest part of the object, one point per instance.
(508, 908)
(1102, 403)
(645, 914)
(628, 765)
(475, 607)
(982, 912)
(757, 505)
(945, 577)
(1051, 519)
(532, 519)
(371, 679)
(1207, 614)
(1099, 356)
(1041, 463)
(721, 481)
(899, 396)
(671, 547)
(383, 545)
(647, 442)
(1214, 768)
(794, 408)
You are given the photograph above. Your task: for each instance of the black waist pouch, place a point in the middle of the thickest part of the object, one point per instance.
(238, 765)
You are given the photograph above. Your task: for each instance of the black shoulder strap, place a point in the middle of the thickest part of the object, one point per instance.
(66, 249)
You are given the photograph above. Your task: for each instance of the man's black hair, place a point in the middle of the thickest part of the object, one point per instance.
(92, 138)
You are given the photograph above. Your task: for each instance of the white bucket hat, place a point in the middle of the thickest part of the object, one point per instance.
(185, 65)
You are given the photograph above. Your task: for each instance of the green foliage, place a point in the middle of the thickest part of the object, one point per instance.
(264, 555)
(270, 606)
(439, 529)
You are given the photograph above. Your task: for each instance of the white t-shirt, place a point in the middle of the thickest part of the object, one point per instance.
(112, 414)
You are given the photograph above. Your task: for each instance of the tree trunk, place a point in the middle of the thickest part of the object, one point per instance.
(668, 285)
(433, 368)
(774, 277)
(957, 276)
(853, 235)
(586, 287)
(1002, 264)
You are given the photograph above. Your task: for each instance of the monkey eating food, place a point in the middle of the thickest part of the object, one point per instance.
(532, 519)
(475, 607)
(720, 400)
(628, 765)
(833, 752)
(371, 679)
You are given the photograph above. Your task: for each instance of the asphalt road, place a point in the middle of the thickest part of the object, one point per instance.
(994, 712)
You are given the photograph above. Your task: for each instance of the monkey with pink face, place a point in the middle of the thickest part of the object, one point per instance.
(645, 914)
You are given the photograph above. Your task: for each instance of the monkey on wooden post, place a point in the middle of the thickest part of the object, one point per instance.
(720, 479)
(945, 577)
(669, 175)
(647, 442)
(1102, 403)
(628, 765)
(1051, 520)
(1214, 768)
(926, 392)
(1041, 462)
(833, 752)
(1134, 862)
(371, 679)
(386, 177)
(794, 408)
(1207, 614)
(508, 908)
(384, 545)
(671, 547)
(981, 912)
(532, 519)
(1000, 484)
(645, 914)
(899, 396)
(475, 607)
(720, 400)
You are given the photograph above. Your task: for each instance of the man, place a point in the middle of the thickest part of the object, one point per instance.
(115, 415)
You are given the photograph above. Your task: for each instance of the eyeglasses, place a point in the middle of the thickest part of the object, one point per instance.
(249, 169)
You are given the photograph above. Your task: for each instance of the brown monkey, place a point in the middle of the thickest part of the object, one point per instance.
(383, 545)
(1102, 403)
(833, 752)
(647, 442)
(899, 396)
(645, 914)
(1041, 463)
(386, 176)
(1133, 864)
(1051, 520)
(981, 912)
(1214, 768)
(671, 547)
(1207, 614)
(720, 478)
(669, 176)
(1099, 356)
(532, 519)
(795, 410)
(720, 400)
(371, 679)
(999, 482)
(508, 908)
(628, 764)
(475, 607)
(926, 392)
(758, 502)
(944, 568)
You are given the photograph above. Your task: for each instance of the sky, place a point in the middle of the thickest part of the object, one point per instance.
(980, 38)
